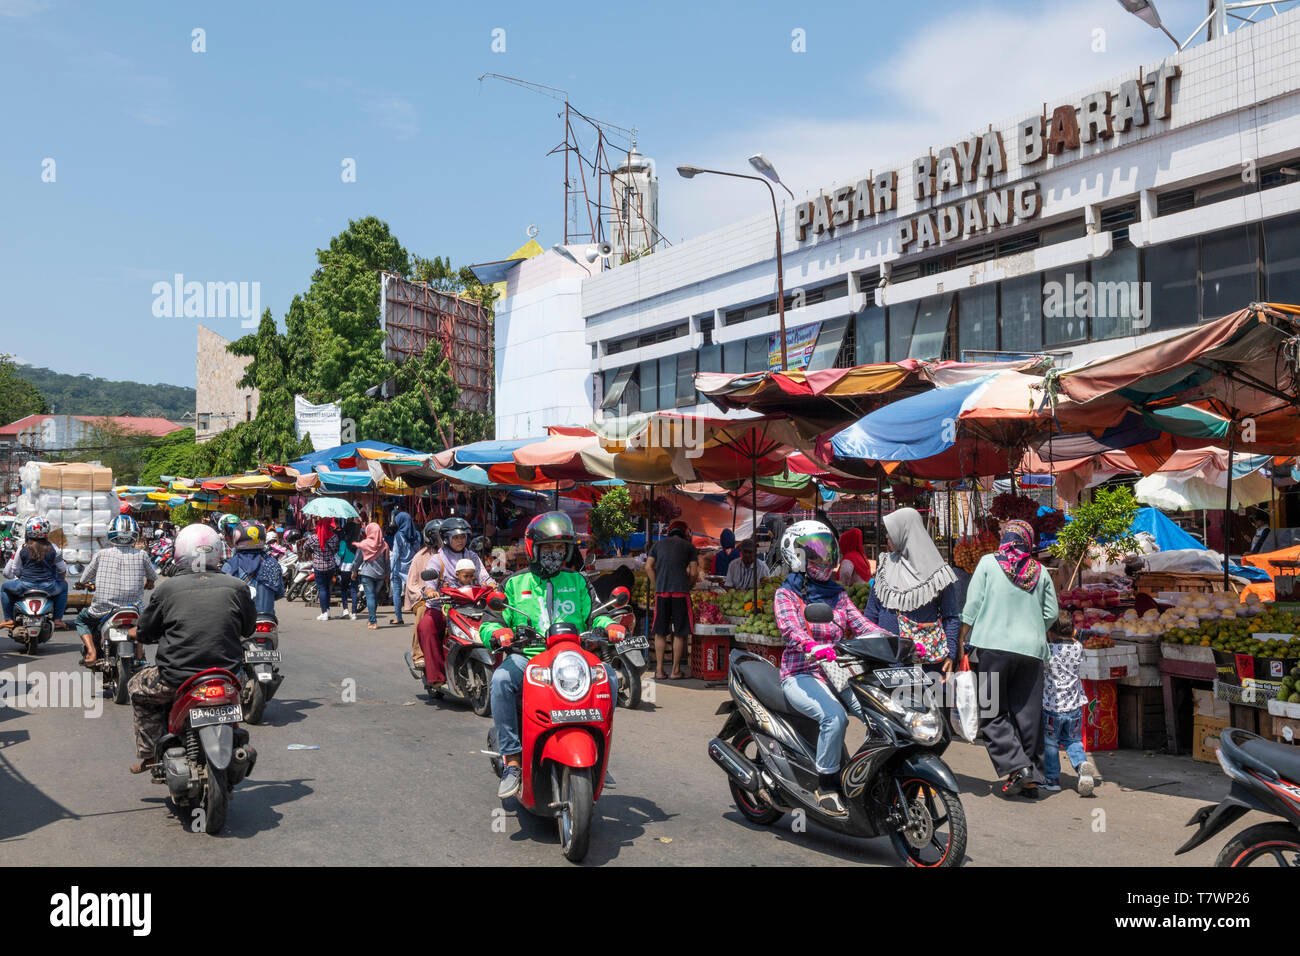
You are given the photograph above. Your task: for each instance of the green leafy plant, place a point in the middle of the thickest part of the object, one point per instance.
(610, 517)
(1103, 523)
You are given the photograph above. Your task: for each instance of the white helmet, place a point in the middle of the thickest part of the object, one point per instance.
(809, 540)
(198, 547)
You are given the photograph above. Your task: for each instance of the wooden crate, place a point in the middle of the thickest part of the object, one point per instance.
(1141, 718)
(1153, 582)
(1281, 724)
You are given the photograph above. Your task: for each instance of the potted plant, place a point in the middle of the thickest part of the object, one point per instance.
(610, 518)
(1103, 523)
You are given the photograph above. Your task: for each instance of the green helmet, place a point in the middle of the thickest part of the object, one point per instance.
(553, 527)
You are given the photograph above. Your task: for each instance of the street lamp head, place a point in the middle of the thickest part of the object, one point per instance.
(688, 172)
(1144, 10)
(761, 163)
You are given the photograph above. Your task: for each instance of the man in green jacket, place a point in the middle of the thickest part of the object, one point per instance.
(541, 596)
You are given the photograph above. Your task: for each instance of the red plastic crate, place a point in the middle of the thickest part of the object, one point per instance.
(709, 656)
(768, 652)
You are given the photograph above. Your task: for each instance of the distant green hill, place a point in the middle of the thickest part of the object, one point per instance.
(86, 395)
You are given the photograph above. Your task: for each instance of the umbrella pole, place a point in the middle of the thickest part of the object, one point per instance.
(1227, 513)
(753, 496)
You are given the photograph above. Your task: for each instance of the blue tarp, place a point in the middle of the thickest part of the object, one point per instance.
(921, 426)
(343, 480)
(492, 452)
(327, 457)
(1170, 537)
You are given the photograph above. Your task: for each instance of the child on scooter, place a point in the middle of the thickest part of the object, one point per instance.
(465, 576)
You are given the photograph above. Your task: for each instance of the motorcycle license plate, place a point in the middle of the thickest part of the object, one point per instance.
(575, 715)
(262, 657)
(630, 643)
(900, 676)
(119, 637)
(225, 714)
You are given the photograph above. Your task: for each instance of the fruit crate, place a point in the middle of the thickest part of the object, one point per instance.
(1153, 582)
(714, 630)
(1279, 708)
(709, 657)
(1193, 653)
(1108, 663)
(1252, 694)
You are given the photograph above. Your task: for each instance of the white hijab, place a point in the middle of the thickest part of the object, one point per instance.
(912, 573)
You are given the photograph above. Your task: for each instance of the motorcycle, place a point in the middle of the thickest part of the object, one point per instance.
(116, 659)
(896, 783)
(205, 753)
(1266, 777)
(467, 663)
(33, 619)
(261, 677)
(303, 575)
(567, 715)
(628, 658)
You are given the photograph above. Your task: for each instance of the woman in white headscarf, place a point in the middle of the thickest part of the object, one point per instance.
(915, 591)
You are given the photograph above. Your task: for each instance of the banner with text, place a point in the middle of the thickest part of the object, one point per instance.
(799, 345)
(324, 423)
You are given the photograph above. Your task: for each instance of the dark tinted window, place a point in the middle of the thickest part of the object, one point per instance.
(1171, 272)
(1022, 314)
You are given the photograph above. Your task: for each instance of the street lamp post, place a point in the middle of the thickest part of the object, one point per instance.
(689, 172)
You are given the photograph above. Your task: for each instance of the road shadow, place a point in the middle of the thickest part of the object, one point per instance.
(282, 713)
(252, 807)
(874, 851)
(618, 822)
(26, 807)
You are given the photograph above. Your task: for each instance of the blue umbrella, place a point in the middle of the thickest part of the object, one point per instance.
(330, 508)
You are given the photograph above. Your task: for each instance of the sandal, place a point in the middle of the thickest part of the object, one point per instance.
(372, 627)
(142, 766)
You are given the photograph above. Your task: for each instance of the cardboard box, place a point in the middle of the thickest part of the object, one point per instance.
(1205, 737)
(1208, 706)
(75, 476)
(1100, 716)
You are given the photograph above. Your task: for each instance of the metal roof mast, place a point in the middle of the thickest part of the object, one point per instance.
(1216, 19)
(575, 188)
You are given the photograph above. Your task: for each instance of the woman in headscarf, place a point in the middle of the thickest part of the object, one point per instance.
(915, 594)
(323, 550)
(728, 553)
(373, 568)
(1010, 603)
(432, 537)
(773, 558)
(856, 568)
(406, 541)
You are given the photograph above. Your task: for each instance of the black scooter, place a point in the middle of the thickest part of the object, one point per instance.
(1265, 777)
(896, 784)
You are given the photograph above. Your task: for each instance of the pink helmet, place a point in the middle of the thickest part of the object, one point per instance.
(198, 547)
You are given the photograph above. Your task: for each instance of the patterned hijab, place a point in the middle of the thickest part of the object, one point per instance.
(1014, 557)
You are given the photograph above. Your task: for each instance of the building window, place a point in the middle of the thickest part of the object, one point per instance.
(1022, 314)
(1117, 296)
(829, 338)
(616, 385)
(1171, 273)
(901, 319)
(1282, 259)
(931, 328)
(977, 311)
(756, 353)
(870, 336)
(710, 360)
(1229, 271)
(733, 357)
(248, 408)
(668, 382)
(1065, 315)
(204, 421)
(649, 381)
(685, 379)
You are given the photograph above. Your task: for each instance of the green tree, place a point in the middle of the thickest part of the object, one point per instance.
(115, 446)
(610, 517)
(174, 456)
(1104, 523)
(18, 397)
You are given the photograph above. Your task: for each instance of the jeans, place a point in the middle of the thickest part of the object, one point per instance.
(814, 698)
(347, 585)
(398, 583)
(13, 590)
(324, 585)
(371, 587)
(1062, 730)
(507, 692)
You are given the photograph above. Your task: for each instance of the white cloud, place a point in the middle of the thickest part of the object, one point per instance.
(395, 114)
(983, 65)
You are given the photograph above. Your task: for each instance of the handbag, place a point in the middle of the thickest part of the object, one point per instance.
(839, 674)
(931, 641)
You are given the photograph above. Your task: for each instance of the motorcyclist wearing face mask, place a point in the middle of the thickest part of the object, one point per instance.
(544, 594)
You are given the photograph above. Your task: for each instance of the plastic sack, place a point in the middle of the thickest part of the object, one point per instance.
(966, 714)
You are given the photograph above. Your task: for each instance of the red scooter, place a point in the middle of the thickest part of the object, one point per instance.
(567, 717)
(466, 662)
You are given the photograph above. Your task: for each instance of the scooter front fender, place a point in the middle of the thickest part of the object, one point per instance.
(572, 747)
(927, 767)
(218, 744)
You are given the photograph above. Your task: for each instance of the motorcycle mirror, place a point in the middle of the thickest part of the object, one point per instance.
(818, 613)
(429, 574)
(621, 597)
(497, 602)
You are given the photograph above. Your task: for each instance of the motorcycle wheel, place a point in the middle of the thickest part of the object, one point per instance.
(930, 811)
(121, 674)
(575, 819)
(31, 640)
(254, 700)
(498, 765)
(1262, 845)
(46, 632)
(479, 688)
(310, 593)
(216, 800)
(751, 807)
(629, 685)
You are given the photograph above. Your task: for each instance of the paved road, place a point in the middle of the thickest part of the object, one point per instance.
(399, 781)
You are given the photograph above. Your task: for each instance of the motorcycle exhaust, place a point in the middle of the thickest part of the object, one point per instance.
(738, 767)
(241, 764)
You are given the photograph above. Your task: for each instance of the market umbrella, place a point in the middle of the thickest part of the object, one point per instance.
(330, 508)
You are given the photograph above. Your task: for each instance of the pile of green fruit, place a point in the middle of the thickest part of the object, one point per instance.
(858, 594)
(1291, 687)
(1237, 635)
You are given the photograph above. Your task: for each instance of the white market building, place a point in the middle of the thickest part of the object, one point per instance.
(1104, 220)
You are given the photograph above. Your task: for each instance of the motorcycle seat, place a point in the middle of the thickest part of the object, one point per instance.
(1283, 759)
(764, 681)
(37, 592)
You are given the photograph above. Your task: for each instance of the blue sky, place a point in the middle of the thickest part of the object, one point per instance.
(225, 165)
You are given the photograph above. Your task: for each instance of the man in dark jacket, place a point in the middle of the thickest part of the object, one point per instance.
(197, 618)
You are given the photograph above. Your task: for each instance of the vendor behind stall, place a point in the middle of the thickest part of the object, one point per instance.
(741, 574)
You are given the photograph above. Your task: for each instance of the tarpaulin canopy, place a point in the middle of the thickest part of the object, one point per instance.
(1204, 486)
(695, 447)
(493, 452)
(1169, 537)
(345, 456)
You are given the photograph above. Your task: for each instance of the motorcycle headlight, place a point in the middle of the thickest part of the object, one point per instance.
(925, 727)
(570, 675)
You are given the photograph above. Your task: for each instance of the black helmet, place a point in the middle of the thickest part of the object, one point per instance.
(553, 527)
(432, 534)
(454, 526)
(481, 546)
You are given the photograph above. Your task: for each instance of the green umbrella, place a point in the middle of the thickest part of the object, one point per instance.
(330, 508)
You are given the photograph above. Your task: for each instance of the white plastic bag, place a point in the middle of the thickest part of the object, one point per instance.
(966, 715)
